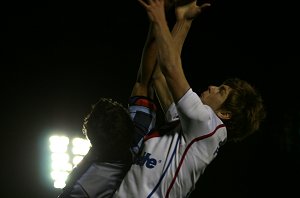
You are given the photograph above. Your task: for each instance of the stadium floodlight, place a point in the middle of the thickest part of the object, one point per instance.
(80, 146)
(65, 156)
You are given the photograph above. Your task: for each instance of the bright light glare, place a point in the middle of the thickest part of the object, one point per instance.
(56, 165)
(80, 146)
(65, 156)
(61, 157)
(77, 159)
(59, 143)
(59, 175)
(59, 184)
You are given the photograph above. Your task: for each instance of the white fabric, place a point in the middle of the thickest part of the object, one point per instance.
(180, 155)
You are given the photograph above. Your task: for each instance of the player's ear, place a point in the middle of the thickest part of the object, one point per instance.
(223, 114)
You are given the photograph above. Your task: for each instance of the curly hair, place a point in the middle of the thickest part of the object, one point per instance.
(109, 128)
(246, 107)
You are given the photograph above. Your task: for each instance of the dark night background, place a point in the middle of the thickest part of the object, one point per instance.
(59, 57)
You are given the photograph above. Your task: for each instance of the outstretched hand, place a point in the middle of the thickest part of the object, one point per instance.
(155, 9)
(190, 10)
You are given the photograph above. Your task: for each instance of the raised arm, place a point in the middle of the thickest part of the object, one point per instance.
(168, 54)
(169, 48)
(185, 13)
(142, 85)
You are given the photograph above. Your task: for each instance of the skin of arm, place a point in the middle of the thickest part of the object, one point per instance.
(150, 69)
(184, 16)
(173, 42)
(168, 54)
(142, 85)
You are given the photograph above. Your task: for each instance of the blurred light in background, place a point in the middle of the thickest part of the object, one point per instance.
(66, 153)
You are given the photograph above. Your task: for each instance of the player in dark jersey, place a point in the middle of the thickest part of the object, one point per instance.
(111, 132)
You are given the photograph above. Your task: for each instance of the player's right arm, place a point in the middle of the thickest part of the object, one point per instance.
(184, 16)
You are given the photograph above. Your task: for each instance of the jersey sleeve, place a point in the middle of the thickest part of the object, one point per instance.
(194, 116)
(171, 114)
(143, 114)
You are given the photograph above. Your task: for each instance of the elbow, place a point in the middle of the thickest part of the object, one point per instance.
(168, 67)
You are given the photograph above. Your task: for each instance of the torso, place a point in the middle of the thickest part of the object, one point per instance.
(171, 162)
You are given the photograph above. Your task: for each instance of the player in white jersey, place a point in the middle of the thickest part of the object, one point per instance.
(173, 157)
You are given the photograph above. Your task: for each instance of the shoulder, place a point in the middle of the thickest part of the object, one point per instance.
(191, 107)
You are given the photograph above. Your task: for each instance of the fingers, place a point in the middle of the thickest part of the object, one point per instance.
(145, 5)
(149, 2)
(205, 5)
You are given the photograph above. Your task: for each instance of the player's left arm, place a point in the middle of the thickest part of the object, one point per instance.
(168, 54)
(169, 48)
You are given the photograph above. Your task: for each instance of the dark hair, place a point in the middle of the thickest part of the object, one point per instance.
(109, 128)
(246, 107)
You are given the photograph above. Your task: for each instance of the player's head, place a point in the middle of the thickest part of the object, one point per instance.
(246, 107)
(239, 106)
(109, 128)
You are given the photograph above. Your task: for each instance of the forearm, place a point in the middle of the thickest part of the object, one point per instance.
(170, 45)
(146, 68)
(149, 58)
(169, 57)
(179, 33)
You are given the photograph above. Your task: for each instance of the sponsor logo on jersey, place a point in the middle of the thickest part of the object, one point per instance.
(146, 160)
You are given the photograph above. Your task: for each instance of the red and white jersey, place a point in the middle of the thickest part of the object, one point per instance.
(173, 158)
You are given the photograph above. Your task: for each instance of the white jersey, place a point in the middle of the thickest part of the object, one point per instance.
(171, 161)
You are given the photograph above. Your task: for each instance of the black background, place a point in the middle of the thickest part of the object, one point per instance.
(59, 57)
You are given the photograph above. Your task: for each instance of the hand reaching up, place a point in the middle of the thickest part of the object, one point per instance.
(190, 10)
(155, 9)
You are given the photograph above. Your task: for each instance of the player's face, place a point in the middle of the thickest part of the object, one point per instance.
(215, 96)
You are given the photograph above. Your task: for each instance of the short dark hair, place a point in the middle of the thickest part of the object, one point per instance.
(109, 128)
(247, 109)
